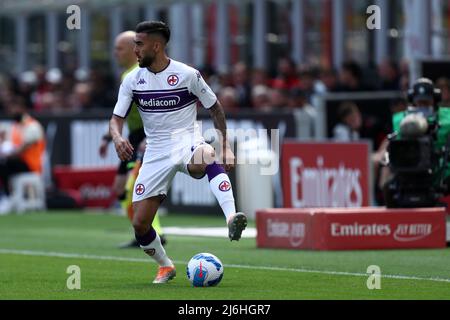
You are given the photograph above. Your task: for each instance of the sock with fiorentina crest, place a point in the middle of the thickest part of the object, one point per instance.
(151, 244)
(220, 185)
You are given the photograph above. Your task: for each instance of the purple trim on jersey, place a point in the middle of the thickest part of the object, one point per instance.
(170, 60)
(211, 105)
(162, 91)
(129, 109)
(163, 100)
(118, 116)
(127, 113)
(213, 170)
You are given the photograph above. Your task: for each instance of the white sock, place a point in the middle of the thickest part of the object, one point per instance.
(155, 250)
(222, 190)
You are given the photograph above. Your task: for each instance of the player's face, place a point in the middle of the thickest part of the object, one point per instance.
(145, 49)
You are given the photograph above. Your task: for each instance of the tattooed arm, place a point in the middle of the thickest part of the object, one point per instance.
(226, 154)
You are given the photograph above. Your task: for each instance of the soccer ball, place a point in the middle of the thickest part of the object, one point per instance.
(204, 270)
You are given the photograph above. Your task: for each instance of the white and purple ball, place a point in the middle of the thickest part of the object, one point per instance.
(204, 270)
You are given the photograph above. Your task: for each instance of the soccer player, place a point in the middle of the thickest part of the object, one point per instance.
(125, 57)
(166, 92)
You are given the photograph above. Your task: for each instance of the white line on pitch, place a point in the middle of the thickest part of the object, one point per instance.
(128, 259)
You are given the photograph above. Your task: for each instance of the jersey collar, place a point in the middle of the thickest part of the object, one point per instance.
(170, 60)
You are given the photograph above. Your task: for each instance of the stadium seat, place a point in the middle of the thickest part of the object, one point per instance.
(28, 192)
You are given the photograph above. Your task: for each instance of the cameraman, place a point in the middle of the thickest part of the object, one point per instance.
(421, 136)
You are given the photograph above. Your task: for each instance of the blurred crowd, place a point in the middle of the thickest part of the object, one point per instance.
(56, 91)
(290, 86)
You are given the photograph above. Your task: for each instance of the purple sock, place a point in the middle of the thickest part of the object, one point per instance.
(146, 238)
(213, 170)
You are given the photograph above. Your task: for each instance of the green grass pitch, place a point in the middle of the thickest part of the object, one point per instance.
(37, 248)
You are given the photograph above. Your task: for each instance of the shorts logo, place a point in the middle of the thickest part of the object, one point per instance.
(224, 186)
(150, 252)
(172, 80)
(140, 189)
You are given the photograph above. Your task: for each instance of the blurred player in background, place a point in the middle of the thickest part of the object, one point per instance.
(25, 151)
(127, 171)
(167, 92)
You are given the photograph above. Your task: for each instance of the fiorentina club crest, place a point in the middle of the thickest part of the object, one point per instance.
(140, 189)
(151, 252)
(224, 186)
(172, 80)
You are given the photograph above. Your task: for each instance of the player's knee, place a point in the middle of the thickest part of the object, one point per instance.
(204, 156)
(209, 155)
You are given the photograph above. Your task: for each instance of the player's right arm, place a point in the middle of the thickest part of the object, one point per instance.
(123, 147)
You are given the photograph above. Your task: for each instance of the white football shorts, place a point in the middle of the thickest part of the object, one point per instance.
(158, 170)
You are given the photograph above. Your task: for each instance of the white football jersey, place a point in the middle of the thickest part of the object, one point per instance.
(166, 101)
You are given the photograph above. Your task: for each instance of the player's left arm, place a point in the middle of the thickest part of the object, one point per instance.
(218, 116)
(210, 102)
